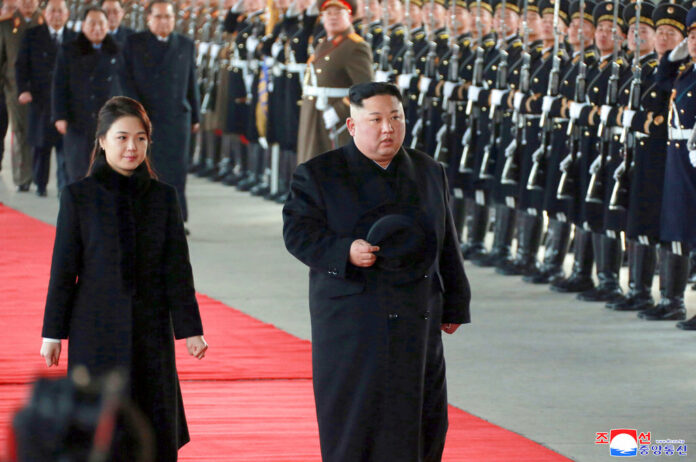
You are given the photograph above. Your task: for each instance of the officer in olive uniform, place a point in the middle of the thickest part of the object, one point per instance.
(341, 58)
(12, 30)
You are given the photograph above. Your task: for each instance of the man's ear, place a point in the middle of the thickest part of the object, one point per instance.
(350, 125)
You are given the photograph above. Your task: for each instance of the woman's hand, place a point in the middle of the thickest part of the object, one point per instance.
(51, 353)
(196, 346)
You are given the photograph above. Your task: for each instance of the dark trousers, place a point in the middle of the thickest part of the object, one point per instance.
(42, 166)
(4, 122)
(78, 150)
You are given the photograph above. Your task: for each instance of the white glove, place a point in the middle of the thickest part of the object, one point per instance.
(251, 43)
(497, 96)
(691, 144)
(604, 113)
(404, 81)
(313, 9)
(263, 142)
(519, 97)
(510, 150)
(473, 93)
(680, 52)
(692, 158)
(538, 154)
(292, 10)
(381, 76)
(547, 103)
(566, 163)
(467, 136)
(619, 171)
(627, 117)
(576, 109)
(238, 7)
(424, 84)
(594, 168)
(448, 89)
(330, 118)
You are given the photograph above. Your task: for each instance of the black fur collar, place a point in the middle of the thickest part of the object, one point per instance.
(84, 46)
(134, 185)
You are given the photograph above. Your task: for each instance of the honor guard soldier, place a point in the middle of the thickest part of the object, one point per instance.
(12, 30)
(596, 146)
(342, 58)
(34, 73)
(677, 224)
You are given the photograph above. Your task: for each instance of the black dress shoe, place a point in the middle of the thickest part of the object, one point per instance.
(187, 231)
(490, 259)
(544, 276)
(260, 189)
(633, 302)
(601, 293)
(23, 187)
(666, 310)
(41, 192)
(687, 325)
(573, 284)
(472, 250)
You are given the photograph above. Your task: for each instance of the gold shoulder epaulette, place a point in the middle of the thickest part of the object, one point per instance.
(419, 35)
(653, 63)
(489, 43)
(516, 44)
(682, 67)
(355, 37)
(443, 36)
(620, 61)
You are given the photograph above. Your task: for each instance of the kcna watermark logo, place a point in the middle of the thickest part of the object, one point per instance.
(624, 442)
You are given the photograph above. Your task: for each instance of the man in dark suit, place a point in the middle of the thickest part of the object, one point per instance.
(114, 14)
(34, 73)
(160, 72)
(372, 220)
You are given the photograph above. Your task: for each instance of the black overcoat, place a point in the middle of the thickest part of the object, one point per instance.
(378, 366)
(34, 73)
(162, 76)
(121, 289)
(122, 33)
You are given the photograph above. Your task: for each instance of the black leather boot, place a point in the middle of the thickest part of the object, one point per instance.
(503, 232)
(580, 278)
(692, 266)
(555, 250)
(641, 268)
(528, 241)
(253, 165)
(673, 278)
(608, 266)
(687, 325)
(477, 225)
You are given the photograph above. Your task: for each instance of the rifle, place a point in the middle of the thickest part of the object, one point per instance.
(619, 194)
(595, 190)
(384, 63)
(216, 46)
(466, 164)
(453, 76)
(567, 185)
(429, 72)
(537, 175)
(407, 65)
(511, 169)
(487, 170)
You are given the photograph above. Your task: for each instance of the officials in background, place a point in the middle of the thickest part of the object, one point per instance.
(341, 58)
(160, 72)
(34, 72)
(12, 30)
(114, 15)
(88, 72)
(7, 10)
(372, 221)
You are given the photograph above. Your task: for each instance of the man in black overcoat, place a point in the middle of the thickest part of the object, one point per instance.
(114, 13)
(160, 72)
(34, 72)
(372, 221)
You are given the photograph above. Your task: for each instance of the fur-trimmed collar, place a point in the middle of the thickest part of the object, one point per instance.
(134, 185)
(84, 46)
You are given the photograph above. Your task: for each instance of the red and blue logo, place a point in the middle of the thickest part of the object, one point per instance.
(623, 442)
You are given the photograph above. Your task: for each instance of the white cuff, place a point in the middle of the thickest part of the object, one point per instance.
(519, 97)
(404, 81)
(627, 117)
(473, 93)
(51, 340)
(604, 113)
(424, 84)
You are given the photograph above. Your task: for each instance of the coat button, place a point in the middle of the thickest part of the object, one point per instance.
(393, 316)
(426, 315)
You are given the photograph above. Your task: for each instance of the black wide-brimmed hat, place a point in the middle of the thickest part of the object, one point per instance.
(670, 14)
(408, 246)
(646, 14)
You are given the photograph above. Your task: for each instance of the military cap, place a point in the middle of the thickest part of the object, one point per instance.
(418, 3)
(646, 13)
(691, 19)
(604, 11)
(439, 2)
(532, 5)
(510, 5)
(347, 4)
(459, 3)
(670, 14)
(547, 7)
(485, 5)
(575, 10)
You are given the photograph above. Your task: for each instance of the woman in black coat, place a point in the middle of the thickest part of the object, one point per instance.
(88, 72)
(121, 281)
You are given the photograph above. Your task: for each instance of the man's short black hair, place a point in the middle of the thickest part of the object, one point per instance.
(362, 91)
(148, 8)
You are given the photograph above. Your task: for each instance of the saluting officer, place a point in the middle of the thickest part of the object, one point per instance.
(12, 30)
(678, 216)
(342, 58)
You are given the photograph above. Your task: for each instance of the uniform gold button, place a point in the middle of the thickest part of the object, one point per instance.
(318, 71)
(494, 67)
(688, 94)
(326, 58)
(676, 145)
(536, 79)
(653, 94)
(595, 89)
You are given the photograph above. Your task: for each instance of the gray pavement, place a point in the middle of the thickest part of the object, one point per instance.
(538, 363)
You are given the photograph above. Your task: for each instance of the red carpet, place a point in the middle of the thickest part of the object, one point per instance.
(250, 399)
